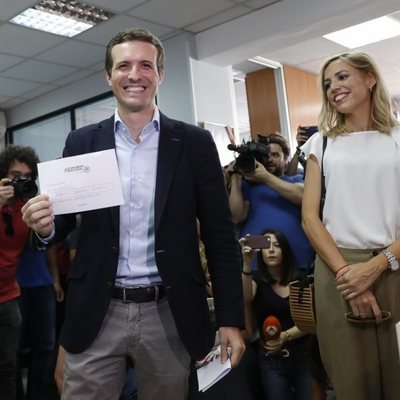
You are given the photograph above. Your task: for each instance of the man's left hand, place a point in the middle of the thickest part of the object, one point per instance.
(259, 175)
(231, 337)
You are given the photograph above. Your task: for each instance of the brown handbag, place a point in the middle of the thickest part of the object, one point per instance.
(302, 304)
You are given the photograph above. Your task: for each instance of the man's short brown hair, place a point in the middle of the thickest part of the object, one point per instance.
(279, 139)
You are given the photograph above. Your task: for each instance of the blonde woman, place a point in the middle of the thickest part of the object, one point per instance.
(358, 239)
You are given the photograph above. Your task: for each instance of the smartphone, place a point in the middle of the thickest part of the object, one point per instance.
(309, 130)
(258, 241)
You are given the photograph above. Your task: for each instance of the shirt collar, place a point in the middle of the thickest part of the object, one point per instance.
(155, 121)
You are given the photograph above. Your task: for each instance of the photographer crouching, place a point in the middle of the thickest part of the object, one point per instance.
(18, 171)
(263, 196)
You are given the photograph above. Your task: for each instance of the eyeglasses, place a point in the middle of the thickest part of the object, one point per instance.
(7, 218)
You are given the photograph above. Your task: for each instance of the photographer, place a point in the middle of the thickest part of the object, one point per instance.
(268, 196)
(18, 171)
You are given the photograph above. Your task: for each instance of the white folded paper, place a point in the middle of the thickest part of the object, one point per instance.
(81, 183)
(212, 371)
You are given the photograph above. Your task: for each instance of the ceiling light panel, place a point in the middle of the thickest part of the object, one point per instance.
(372, 31)
(61, 17)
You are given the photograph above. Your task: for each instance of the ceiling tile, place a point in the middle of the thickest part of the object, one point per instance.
(261, 3)
(217, 19)
(21, 41)
(74, 53)
(12, 103)
(7, 61)
(104, 32)
(9, 9)
(39, 91)
(177, 13)
(14, 87)
(380, 50)
(117, 6)
(82, 73)
(3, 99)
(305, 51)
(39, 71)
(97, 66)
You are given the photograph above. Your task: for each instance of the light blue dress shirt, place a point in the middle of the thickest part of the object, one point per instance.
(137, 163)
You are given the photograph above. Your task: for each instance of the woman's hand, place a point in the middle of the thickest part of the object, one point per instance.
(353, 280)
(301, 136)
(366, 306)
(248, 254)
(272, 346)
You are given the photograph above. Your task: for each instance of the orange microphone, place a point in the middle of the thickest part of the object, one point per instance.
(271, 328)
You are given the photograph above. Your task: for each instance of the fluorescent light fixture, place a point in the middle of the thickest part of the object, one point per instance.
(372, 31)
(61, 17)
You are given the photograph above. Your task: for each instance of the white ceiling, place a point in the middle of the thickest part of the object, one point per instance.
(227, 32)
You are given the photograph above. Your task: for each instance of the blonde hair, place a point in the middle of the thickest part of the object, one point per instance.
(332, 122)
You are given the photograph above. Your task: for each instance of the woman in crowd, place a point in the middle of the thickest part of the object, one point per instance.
(357, 240)
(285, 361)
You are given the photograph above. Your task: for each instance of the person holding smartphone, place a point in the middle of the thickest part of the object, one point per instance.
(285, 362)
(303, 134)
(268, 195)
(358, 237)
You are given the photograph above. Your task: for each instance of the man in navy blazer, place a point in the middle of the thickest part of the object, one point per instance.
(137, 290)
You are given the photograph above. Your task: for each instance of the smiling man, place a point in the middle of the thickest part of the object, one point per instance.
(137, 290)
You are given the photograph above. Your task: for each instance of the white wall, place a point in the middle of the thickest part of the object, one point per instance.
(213, 93)
(81, 90)
(175, 97)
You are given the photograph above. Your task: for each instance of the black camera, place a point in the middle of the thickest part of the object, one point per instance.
(24, 188)
(249, 153)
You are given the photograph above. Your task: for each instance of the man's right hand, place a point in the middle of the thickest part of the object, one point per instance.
(6, 191)
(38, 215)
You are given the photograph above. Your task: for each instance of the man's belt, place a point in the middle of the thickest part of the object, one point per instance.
(140, 294)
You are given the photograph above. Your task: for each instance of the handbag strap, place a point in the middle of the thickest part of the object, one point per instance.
(323, 188)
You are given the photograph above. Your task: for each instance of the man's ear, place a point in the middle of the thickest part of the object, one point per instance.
(108, 77)
(161, 74)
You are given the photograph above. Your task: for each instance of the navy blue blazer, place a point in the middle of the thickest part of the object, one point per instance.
(189, 185)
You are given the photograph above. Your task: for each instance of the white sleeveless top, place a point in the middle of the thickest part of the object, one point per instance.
(362, 179)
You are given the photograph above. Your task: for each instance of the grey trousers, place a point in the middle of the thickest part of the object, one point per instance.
(362, 360)
(147, 334)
